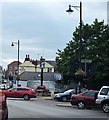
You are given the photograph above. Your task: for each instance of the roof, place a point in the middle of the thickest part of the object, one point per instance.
(14, 63)
(27, 63)
(51, 62)
(20, 87)
(35, 75)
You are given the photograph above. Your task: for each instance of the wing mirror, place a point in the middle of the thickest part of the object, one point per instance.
(10, 90)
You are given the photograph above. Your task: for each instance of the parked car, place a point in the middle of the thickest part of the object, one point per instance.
(85, 99)
(3, 106)
(41, 89)
(4, 80)
(4, 86)
(20, 92)
(66, 95)
(103, 99)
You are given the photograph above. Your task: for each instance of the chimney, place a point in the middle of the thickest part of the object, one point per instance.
(27, 58)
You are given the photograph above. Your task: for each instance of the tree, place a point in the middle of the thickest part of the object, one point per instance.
(95, 47)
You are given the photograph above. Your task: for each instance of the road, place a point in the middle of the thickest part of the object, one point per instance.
(42, 108)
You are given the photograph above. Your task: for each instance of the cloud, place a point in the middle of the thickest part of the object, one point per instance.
(43, 26)
(52, 1)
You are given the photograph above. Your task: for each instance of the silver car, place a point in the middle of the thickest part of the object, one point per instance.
(103, 99)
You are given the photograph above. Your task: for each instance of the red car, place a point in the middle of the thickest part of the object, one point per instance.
(84, 99)
(20, 92)
(3, 107)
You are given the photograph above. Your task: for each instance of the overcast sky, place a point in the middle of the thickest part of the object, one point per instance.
(42, 27)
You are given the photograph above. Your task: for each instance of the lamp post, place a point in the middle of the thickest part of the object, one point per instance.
(42, 65)
(13, 44)
(80, 32)
(80, 35)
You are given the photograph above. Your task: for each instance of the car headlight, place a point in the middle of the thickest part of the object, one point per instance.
(57, 95)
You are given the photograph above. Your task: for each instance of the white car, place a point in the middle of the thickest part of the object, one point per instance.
(103, 99)
(4, 86)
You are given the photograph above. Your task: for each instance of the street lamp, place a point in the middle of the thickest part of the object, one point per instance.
(80, 37)
(42, 65)
(13, 44)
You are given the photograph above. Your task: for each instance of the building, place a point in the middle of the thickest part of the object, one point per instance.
(108, 12)
(1, 71)
(26, 66)
(30, 65)
(31, 69)
(12, 69)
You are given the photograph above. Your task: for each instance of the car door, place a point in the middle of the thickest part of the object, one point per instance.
(11, 92)
(68, 94)
(20, 92)
(103, 94)
(89, 98)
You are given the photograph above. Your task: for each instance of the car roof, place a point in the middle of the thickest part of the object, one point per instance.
(88, 91)
(68, 90)
(91, 90)
(105, 87)
(21, 87)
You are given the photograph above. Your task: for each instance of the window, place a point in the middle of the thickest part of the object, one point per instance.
(10, 67)
(49, 69)
(104, 91)
(22, 89)
(14, 89)
(89, 93)
(15, 67)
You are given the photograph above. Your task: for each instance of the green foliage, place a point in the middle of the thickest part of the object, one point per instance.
(95, 47)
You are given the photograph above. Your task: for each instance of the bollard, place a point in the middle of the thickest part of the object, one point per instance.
(52, 94)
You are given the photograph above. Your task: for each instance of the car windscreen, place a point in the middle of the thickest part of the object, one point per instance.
(68, 91)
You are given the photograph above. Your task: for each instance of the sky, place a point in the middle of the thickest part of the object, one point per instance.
(42, 26)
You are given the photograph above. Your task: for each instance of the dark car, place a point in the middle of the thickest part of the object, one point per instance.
(3, 106)
(66, 95)
(20, 92)
(41, 90)
(84, 99)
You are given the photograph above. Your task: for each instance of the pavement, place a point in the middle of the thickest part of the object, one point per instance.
(64, 104)
(47, 97)
(61, 104)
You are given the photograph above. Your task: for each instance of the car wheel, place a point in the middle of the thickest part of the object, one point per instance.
(81, 105)
(64, 99)
(26, 97)
(105, 107)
